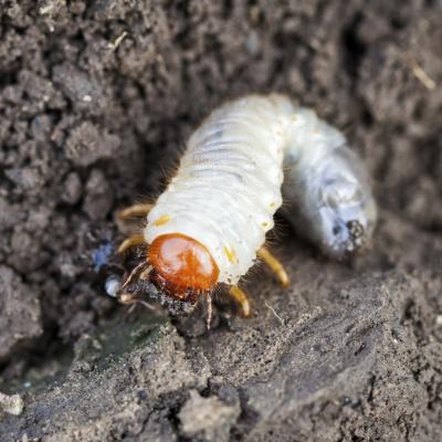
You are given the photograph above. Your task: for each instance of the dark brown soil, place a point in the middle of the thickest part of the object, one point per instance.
(96, 102)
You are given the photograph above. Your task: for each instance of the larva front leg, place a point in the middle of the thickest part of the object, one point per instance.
(242, 299)
(134, 240)
(135, 211)
(275, 265)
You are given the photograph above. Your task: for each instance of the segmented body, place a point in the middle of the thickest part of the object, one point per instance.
(326, 187)
(228, 185)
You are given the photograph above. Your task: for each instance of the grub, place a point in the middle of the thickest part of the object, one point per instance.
(91, 121)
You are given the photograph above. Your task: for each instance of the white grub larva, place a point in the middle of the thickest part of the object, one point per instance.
(210, 223)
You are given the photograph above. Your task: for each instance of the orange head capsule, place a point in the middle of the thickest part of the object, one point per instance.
(183, 266)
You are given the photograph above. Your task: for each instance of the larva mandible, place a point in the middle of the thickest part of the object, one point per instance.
(210, 223)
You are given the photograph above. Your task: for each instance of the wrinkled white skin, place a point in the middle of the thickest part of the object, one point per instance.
(326, 188)
(228, 185)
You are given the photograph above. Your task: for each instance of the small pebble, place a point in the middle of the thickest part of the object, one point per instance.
(112, 286)
(11, 404)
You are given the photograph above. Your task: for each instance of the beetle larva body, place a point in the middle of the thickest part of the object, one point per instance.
(228, 185)
(210, 223)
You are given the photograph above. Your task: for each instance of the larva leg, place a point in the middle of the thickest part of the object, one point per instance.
(275, 265)
(209, 311)
(136, 271)
(132, 241)
(132, 300)
(241, 298)
(135, 211)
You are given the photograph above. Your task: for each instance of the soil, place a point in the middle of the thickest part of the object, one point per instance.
(96, 102)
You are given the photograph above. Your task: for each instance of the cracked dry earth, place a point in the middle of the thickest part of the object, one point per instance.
(96, 101)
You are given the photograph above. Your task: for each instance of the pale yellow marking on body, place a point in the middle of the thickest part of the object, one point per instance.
(164, 219)
(231, 255)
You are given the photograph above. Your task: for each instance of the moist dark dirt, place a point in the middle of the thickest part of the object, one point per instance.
(96, 102)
